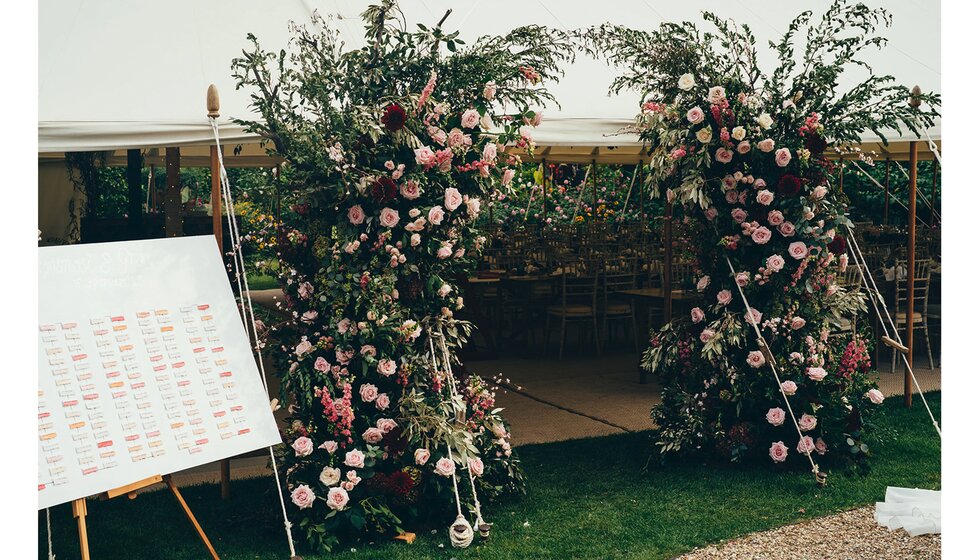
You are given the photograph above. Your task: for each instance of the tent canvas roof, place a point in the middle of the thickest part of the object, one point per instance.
(119, 74)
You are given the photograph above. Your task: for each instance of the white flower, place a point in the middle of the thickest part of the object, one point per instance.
(686, 82)
(704, 135)
(329, 476)
(738, 133)
(764, 120)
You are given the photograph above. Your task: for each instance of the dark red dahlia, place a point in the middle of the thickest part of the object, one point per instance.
(400, 483)
(394, 117)
(837, 245)
(815, 144)
(789, 185)
(384, 189)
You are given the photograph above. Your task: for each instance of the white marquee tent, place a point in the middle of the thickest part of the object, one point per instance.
(126, 74)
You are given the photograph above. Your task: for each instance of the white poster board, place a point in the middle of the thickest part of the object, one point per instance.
(144, 366)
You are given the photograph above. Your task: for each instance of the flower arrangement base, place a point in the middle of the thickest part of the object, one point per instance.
(821, 479)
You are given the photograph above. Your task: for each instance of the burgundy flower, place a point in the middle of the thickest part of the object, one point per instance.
(789, 185)
(815, 144)
(394, 117)
(384, 189)
(400, 483)
(837, 245)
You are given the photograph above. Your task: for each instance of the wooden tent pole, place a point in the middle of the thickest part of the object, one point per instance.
(172, 214)
(544, 187)
(910, 260)
(935, 169)
(668, 264)
(595, 194)
(134, 180)
(888, 174)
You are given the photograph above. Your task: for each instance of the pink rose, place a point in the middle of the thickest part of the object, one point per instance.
(743, 147)
(776, 416)
(330, 446)
(389, 217)
(742, 279)
(783, 156)
(372, 435)
(321, 365)
(354, 459)
(816, 373)
(739, 215)
(444, 252)
(387, 367)
(456, 138)
(788, 387)
(706, 335)
(507, 176)
(490, 90)
(452, 199)
(425, 157)
(775, 217)
(796, 358)
(337, 498)
(875, 396)
(775, 263)
(819, 192)
(386, 425)
(303, 347)
(436, 214)
(303, 446)
(767, 145)
(778, 451)
(369, 351)
(703, 283)
(355, 215)
(421, 456)
(725, 297)
(807, 422)
(382, 402)
(303, 496)
(761, 235)
(445, 467)
(415, 240)
(723, 155)
(821, 446)
(368, 392)
(476, 466)
(410, 190)
(805, 446)
(470, 118)
(695, 115)
(343, 325)
(473, 207)
(731, 197)
(755, 359)
(764, 197)
(796, 323)
(787, 229)
(753, 315)
(697, 315)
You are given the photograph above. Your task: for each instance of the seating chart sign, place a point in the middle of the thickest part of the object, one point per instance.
(144, 366)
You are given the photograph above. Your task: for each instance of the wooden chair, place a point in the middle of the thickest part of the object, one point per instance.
(578, 304)
(619, 274)
(922, 275)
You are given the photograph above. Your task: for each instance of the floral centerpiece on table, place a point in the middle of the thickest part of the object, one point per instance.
(744, 156)
(389, 153)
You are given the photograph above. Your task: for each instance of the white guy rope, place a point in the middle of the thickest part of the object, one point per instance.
(895, 198)
(241, 278)
(626, 202)
(933, 148)
(875, 296)
(47, 514)
(763, 345)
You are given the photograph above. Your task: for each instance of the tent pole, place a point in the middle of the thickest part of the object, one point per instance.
(888, 173)
(595, 195)
(935, 169)
(134, 178)
(643, 208)
(172, 216)
(544, 187)
(910, 267)
(214, 111)
(668, 264)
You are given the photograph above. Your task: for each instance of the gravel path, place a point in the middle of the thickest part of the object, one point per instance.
(849, 535)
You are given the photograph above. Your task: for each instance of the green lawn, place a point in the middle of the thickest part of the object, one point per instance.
(587, 500)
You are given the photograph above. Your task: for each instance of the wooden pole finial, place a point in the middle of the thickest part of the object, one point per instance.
(214, 104)
(916, 100)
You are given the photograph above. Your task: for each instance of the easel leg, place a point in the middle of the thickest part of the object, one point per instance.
(190, 515)
(79, 511)
(225, 482)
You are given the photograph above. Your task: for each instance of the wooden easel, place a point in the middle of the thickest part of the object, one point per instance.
(79, 510)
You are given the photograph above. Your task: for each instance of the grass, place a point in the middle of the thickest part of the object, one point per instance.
(587, 500)
(262, 282)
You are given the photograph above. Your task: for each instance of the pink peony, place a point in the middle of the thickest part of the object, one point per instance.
(761, 235)
(470, 118)
(421, 456)
(783, 156)
(725, 297)
(807, 422)
(875, 396)
(355, 214)
(452, 199)
(337, 498)
(776, 416)
(303, 496)
(368, 392)
(372, 435)
(778, 451)
(354, 458)
(445, 467)
(788, 387)
(816, 373)
(387, 367)
(756, 359)
(303, 446)
(697, 315)
(389, 217)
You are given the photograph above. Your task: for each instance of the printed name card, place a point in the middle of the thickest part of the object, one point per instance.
(128, 387)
